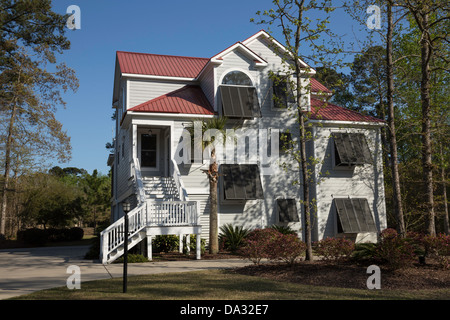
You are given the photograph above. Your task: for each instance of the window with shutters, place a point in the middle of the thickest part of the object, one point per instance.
(239, 97)
(241, 182)
(354, 215)
(287, 210)
(350, 150)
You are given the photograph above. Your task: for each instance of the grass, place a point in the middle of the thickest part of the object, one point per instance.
(218, 285)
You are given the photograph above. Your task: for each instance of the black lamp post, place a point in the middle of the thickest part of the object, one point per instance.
(126, 208)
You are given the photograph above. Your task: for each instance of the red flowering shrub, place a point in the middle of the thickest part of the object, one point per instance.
(258, 243)
(394, 250)
(287, 248)
(334, 249)
(273, 245)
(438, 247)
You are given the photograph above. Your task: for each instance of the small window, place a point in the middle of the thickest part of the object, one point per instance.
(287, 210)
(285, 141)
(350, 149)
(282, 94)
(237, 78)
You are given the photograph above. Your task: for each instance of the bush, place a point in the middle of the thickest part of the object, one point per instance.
(231, 238)
(257, 244)
(75, 234)
(439, 248)
(364, 251)
(334, 249)
(33, 236)
(394, 250)
(284, 229)
(165, 243)
(287, 248)
(133, 258)
(270, 244)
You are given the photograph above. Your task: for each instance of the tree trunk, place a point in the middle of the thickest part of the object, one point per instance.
(213, 218)
(213, 221)
(398, 207)
(444, 196)
(8, 148)
(305, 184)
(427, 165)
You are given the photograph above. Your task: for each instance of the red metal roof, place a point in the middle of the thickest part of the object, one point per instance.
(321, 110)
(160, 65)
(187, 100)
(316, 86)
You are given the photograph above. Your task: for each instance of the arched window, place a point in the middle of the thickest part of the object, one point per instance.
(238, 96)
(237, 78)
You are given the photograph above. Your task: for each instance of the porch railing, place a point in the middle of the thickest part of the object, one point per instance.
(175, 173)
(151, 213)
(172, 213)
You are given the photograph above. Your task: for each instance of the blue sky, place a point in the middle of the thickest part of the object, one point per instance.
(197, 28)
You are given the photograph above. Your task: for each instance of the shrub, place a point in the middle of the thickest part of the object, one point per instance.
(287, 248)
(439, 248)
(75, 234)
(231, 238)
(257, 244)
(394, 250)
(284, 229)
(133, 258)
(364, 251)
(334, 249)
(270, 244)
(33, 236)
(165, 243)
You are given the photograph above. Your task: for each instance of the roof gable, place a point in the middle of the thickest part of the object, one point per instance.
(276, 46)
(259, 62)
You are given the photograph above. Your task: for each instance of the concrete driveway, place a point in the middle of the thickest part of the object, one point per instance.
(23, 271)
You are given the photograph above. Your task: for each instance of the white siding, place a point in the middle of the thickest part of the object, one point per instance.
(363, 182)
(279, 184)
(141, 91)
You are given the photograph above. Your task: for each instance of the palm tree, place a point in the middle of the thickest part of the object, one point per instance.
(219, 124)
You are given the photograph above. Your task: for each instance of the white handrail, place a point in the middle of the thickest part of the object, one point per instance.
(138, 180)
(176, 175)
(114, 236)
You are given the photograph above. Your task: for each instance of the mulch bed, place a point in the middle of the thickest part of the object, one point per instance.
(353, 275)
(347, 274)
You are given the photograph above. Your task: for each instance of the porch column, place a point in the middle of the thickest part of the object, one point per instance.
(198, 247)
(134, 140)
(188, 244)
(180, 247)
(149, 248)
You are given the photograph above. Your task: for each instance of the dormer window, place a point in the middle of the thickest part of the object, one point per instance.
(239, 97)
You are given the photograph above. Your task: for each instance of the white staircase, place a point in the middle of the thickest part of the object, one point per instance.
(160, 188)
(163, 208)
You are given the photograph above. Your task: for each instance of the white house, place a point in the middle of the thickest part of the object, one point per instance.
(158, 97)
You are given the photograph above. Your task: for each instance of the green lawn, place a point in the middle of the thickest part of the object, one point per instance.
(218, 285)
